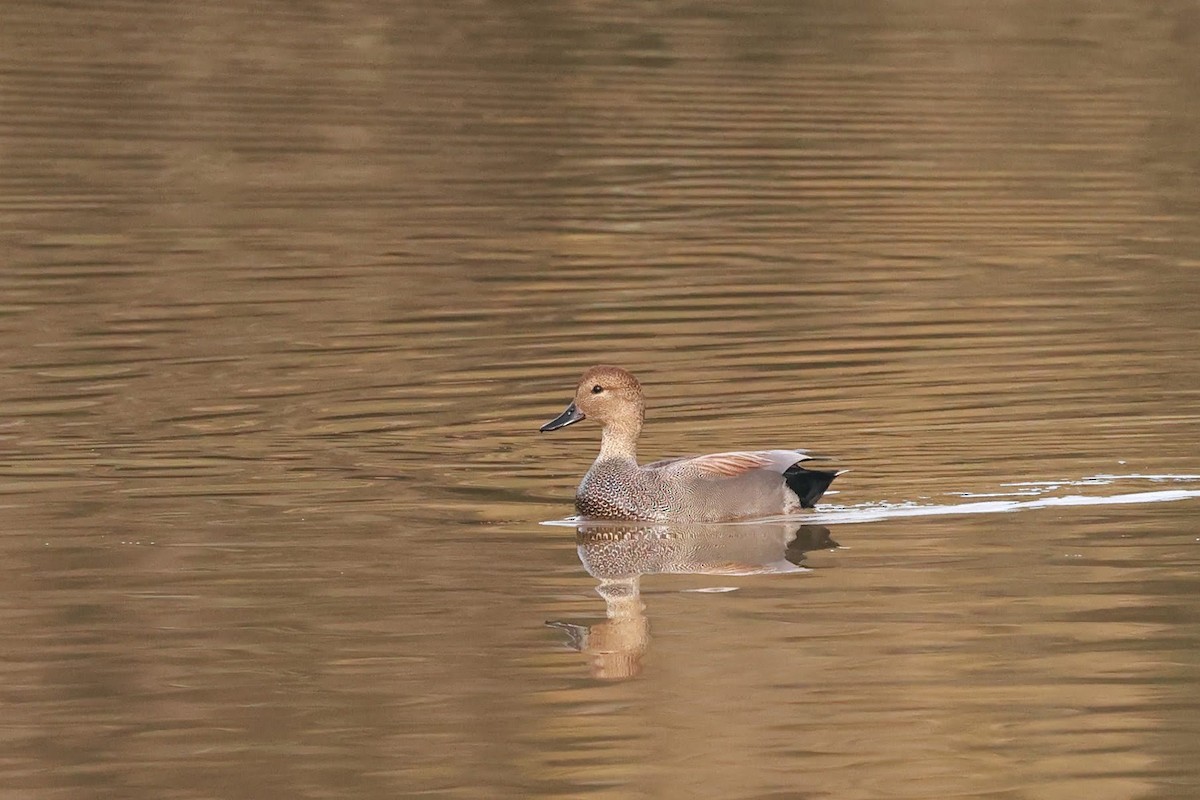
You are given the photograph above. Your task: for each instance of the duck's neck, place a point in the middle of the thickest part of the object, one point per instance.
(619, 441)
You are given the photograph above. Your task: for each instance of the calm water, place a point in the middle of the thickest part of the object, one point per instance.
(286, 294)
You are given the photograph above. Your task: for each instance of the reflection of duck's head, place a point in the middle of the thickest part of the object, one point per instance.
(618, 555)
(614, 647)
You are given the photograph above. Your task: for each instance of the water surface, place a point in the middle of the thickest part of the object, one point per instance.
(285, 295)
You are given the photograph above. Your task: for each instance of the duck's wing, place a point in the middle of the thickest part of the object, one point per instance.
(737, 462)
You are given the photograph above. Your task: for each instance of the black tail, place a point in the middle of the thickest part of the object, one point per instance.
(808, 484)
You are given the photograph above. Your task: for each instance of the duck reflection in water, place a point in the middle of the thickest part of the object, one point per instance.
(619, 555)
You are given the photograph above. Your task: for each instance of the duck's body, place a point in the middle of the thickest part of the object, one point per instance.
(718, 487)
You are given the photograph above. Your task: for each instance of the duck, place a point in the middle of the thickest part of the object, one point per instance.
(718, 487)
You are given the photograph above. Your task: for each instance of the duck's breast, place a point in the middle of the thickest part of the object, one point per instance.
(619, 489)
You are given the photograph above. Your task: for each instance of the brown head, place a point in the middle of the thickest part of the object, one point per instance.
(610, 396)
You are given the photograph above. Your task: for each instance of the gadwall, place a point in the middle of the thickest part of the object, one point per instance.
(719, 487)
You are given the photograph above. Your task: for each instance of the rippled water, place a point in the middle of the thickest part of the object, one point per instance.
(287, 291)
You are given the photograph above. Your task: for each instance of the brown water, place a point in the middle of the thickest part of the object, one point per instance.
(285, 295)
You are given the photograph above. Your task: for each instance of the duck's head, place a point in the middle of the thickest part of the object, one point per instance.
(608, 395)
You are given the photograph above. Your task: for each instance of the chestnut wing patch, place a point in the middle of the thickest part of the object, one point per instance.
(738, 462)
(728, 465)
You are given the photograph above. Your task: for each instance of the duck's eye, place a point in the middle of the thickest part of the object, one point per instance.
(597, 389)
